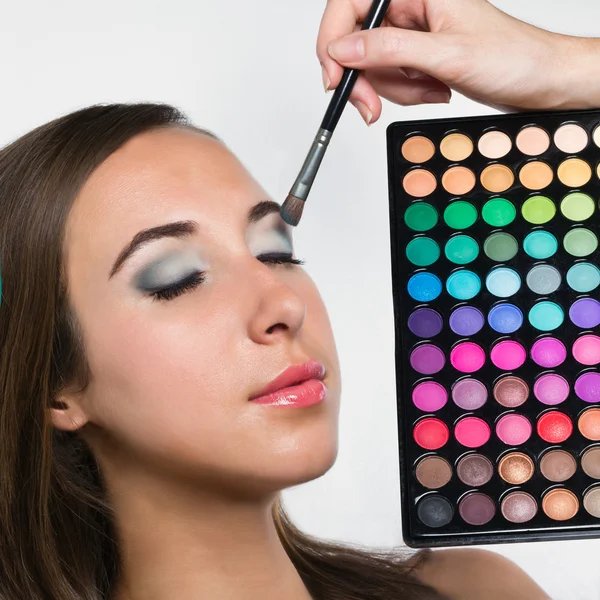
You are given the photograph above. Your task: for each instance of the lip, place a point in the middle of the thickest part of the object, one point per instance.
(298, 385)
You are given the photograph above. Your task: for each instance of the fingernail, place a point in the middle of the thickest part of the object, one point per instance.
(347, 49)
(436, 97)
(326, 80)
(364, 111)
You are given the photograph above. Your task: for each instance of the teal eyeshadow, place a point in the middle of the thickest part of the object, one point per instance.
(424, 287)
(503, 282)
(461, 249)
(540, 245)
(463, 285)
(546, 316)
(583, 277)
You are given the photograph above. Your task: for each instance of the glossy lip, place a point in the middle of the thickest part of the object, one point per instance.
(298, 385)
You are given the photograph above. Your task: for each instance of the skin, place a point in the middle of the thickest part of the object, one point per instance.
(427, 48)
(191, 466)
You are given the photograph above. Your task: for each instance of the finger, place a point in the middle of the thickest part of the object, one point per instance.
(393, 86)
(366, 100)
(391, 47)
(339, 19)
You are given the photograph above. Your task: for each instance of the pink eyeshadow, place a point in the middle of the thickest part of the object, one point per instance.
(586, 350)
(513, 429)
(508, 355)
(549, 352)
(551, 389)
(429, 396)
(467, 357)
(472, 432)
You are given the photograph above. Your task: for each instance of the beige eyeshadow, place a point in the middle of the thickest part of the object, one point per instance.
(494, 144)
(558, 466)
(419, 183)
(574, 172)
(418, 149)
(590, 462)
(497, 178)
(536, 175)
(456, 147)
(560, 504)
(458, 180)
(596, 136)
(533, 141)
(591, 502)
(571, 138)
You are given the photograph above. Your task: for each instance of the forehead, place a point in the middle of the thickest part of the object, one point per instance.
(163, 175)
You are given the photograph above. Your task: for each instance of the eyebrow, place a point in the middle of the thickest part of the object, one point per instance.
(183, 229)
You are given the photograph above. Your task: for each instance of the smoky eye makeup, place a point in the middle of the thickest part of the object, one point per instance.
(270, 236)
(169, 270)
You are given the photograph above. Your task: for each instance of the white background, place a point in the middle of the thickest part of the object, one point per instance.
(247, 70)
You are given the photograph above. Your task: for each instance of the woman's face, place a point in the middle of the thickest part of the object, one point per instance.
(200, 314)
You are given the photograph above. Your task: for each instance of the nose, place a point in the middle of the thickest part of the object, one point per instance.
(279, 311)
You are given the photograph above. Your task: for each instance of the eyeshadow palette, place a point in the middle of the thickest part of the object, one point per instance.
(495, 226)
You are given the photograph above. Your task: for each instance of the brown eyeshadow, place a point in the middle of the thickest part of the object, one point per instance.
(590, 462)
(519, 507)
(560, 504)
(433, 472)
(511, 392)
(516, 468)
(558, 466)
(474, 470)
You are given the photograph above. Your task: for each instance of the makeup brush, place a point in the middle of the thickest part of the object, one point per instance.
(291, 210)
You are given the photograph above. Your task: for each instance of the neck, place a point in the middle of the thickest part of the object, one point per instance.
(186, 544)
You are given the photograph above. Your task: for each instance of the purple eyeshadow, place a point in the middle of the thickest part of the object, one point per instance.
(427, 359)
(587, 387)
(466, 321)
(425, 323)
(585, 313)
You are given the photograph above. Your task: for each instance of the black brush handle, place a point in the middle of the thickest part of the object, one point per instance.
(340, 97)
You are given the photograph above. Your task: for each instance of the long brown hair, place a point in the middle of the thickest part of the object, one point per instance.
(56, 533)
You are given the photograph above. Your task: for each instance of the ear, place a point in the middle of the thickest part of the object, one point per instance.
(67, 412)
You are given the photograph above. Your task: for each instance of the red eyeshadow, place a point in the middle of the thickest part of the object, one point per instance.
(431, 434)
(555, 427)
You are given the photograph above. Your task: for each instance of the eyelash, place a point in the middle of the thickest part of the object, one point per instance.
(195, 279)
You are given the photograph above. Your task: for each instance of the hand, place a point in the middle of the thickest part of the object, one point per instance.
(426, 48)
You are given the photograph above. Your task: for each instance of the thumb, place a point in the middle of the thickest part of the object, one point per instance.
(392, 47)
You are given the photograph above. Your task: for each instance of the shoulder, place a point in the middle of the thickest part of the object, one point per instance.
(466, 574)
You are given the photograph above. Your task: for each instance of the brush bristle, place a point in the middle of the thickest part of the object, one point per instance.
(291, 210)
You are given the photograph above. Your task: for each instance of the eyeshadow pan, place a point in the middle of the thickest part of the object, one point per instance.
(469, 394)
(538, 210)
(540, 244)
(472, 432)
(571, 138)
(596, 136)
(499, 212)
(580, 242)
(590, 462)
(467, 357)
(497, 178)
(501, 247)
(424, 287)
(574, 172)
(508, 355)
(560, 504)
(505, 318)
(558, 466)
(425, 323)
(431, 433)
(429, 396)
(546, 316)
(511, 391)
(587, 387)
(586, 350)
(421, 217)
(577, 206)
(422, 251)
(494, 144)
(513, 429)
(477, 508)
(435, 511)
(466, 321)
(548, 352)
(585, 313)
(589, 424)
(503, 282)
(516, 468)
(543, 279)
(474, 470)
(461, 249)
(460, 215)
(554, 427)
(418, 149)
(463, 285)
(551, 389)
(458, 181)
(518, 507)
(536, 175)
(583, 277)
(419, 183)
(533, 141)
(591, 502)
(427, 359)
(433, 472)
(456, 147)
